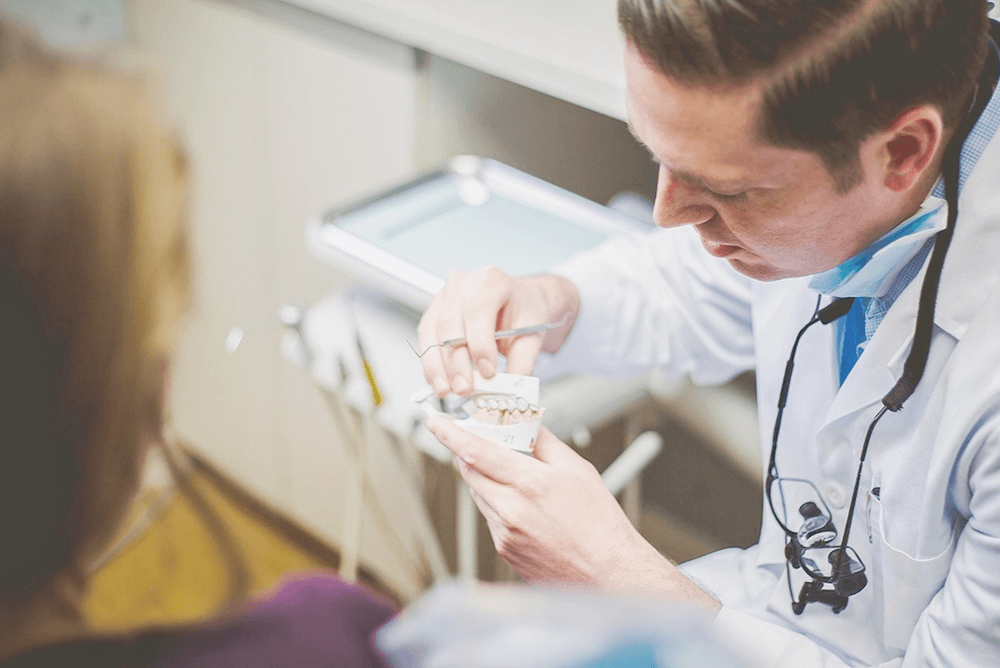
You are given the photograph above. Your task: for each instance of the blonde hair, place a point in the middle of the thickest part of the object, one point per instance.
(94, 281)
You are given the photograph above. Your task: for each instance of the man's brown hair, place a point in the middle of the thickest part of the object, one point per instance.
(832, 72)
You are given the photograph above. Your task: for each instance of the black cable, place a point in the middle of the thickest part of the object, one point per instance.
(836, 309)
(916, 361)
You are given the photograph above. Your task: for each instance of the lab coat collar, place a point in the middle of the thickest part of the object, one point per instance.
(971, 268)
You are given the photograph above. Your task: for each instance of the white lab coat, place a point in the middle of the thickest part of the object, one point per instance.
(931, 538)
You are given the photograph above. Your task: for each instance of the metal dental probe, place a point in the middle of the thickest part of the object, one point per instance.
(502, 334)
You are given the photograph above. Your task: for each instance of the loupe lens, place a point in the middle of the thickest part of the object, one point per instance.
(849, 572)
(800, 510)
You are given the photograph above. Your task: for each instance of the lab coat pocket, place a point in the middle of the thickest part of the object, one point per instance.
(903, 585)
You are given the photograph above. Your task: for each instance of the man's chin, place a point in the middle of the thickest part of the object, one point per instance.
(759, 271)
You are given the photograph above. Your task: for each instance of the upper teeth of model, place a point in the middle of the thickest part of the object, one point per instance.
(507, 404)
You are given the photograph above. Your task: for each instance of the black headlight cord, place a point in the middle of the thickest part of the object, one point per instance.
(826, 315)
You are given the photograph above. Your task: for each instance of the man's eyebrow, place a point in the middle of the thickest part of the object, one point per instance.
(697, 181)
(708, 184)
(688, 177)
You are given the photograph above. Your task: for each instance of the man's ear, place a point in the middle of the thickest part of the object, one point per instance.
(911, 144)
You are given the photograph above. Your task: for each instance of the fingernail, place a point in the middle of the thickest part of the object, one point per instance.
(485, 367)
(459, 384)
(440, 386)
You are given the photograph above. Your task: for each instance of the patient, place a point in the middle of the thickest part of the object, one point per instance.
(93, 287)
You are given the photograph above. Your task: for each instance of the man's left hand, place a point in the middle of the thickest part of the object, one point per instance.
(553, 520)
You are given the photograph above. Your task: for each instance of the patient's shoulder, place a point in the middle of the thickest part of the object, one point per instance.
(309, 619)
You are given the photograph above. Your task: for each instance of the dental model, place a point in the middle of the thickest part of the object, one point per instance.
(503, 409)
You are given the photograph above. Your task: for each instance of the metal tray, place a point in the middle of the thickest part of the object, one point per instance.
(471, 213)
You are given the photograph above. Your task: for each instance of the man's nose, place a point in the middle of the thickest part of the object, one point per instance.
(678, 203)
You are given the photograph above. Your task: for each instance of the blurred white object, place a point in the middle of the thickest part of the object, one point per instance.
(491, 626)
(629, 464)
(633, 205)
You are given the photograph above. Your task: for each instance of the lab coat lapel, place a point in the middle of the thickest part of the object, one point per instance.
(871, 378)
(966, 285)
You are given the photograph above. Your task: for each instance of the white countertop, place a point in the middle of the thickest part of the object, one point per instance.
(569, 49)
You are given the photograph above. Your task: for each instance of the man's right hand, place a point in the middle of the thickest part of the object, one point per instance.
(475, 306)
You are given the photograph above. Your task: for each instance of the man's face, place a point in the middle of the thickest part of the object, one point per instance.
(771, 212)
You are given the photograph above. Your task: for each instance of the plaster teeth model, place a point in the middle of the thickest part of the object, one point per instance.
(503, 409)
(506, 411)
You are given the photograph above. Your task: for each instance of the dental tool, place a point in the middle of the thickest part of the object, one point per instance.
(502, 334)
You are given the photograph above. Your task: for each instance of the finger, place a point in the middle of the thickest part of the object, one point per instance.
(489, 293)
(495, 525)
(480, 326)
(485, 490)
(494, 461)
(554, 452)
(434, 371)
(522, 352)
(456, 364)
(490, 513)
(493, 521)
(457, 367)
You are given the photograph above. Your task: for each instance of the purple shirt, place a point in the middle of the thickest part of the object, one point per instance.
(309, 619)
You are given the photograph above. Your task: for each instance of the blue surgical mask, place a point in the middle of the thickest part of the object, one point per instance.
(871, 272)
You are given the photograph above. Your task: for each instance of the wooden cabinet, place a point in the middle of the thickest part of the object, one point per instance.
(281, 120)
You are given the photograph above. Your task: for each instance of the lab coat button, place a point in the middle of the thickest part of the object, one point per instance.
(835, 494)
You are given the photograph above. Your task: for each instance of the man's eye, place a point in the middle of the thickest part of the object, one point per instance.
(736, 197)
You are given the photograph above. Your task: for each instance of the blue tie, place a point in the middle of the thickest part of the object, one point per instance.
(852, 336)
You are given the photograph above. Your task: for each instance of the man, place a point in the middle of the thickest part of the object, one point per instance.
(804, 158)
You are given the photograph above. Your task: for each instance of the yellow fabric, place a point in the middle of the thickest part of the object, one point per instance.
(173, 572)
